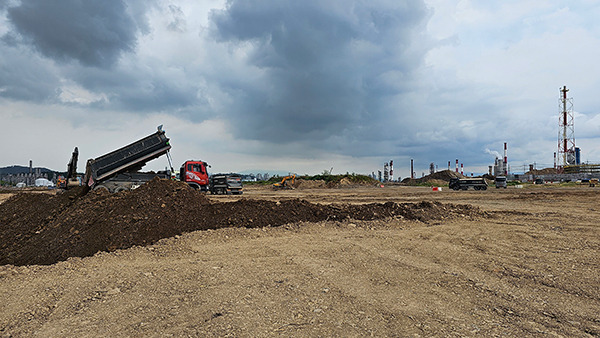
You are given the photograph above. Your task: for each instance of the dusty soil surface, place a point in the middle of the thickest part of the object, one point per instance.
(392, 261)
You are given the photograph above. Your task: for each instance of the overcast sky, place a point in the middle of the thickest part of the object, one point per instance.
(299, 86)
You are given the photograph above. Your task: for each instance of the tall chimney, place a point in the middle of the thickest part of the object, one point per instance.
(505, 166)
(456, 165)
(412, 173)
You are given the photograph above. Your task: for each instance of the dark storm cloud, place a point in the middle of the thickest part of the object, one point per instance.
(95, 33)
(25, 77)
(331, 68)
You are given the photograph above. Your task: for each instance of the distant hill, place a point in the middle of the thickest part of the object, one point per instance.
(19, 169)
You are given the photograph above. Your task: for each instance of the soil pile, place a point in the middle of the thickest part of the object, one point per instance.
(343, 182)
(545, 171)
(309, 184)
(43, 229)
(437, 178)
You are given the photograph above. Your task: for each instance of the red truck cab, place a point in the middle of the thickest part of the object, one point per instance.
(195, 174)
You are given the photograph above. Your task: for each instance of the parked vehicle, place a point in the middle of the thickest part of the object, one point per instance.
(466, 183)
(195, 174)
(119, 169)
(226, 184)
(500, 182)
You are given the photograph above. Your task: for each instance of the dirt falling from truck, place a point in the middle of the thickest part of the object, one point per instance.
(43, 229)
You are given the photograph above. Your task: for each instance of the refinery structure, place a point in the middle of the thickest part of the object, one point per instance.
(567, 160)
(567, 154)
(567, 157)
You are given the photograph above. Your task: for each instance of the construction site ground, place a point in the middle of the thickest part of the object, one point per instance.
(501, 262)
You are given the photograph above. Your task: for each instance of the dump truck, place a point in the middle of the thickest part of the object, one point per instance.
(119, 169)
(466, 183)
(195, 174)
(500, 182)
(226, 184)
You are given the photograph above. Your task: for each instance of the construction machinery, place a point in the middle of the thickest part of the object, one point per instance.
(284, 184)
(466, 183)
(226, 184)
(72, 180)
(195, 174)
(61, 182)
(500, 182)
(119, 169)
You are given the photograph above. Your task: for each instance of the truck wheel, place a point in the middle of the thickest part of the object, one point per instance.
(101, 188)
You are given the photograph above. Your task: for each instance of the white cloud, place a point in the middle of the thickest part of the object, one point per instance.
(306, 86)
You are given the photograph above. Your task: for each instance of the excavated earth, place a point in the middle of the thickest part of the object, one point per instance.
(44, 229)
(350, 261)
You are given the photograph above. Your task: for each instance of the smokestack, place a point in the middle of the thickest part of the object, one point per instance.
(391, 170)
(461, 169)
(456, 165)
(490, 170)
(30, 166)
(555, 160)
(505, 161)
(448, 165)
(386, 172)
(412, 174)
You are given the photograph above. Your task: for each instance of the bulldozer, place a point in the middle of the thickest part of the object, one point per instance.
(284, 184)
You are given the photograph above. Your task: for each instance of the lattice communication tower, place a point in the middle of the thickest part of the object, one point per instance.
(566, 131)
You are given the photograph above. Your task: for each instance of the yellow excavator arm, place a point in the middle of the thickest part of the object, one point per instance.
(284, 182)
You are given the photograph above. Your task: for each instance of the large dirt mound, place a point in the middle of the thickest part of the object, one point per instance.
(437, 178)
(309, 184)
(545, 171)
(339, 181)
(44, 229)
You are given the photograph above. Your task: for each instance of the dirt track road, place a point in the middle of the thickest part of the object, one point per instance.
(529, 267)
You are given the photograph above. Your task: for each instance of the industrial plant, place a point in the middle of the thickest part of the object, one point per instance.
(567, 158)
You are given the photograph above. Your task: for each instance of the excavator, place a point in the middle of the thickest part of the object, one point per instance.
(284, 183)
(71, 180)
